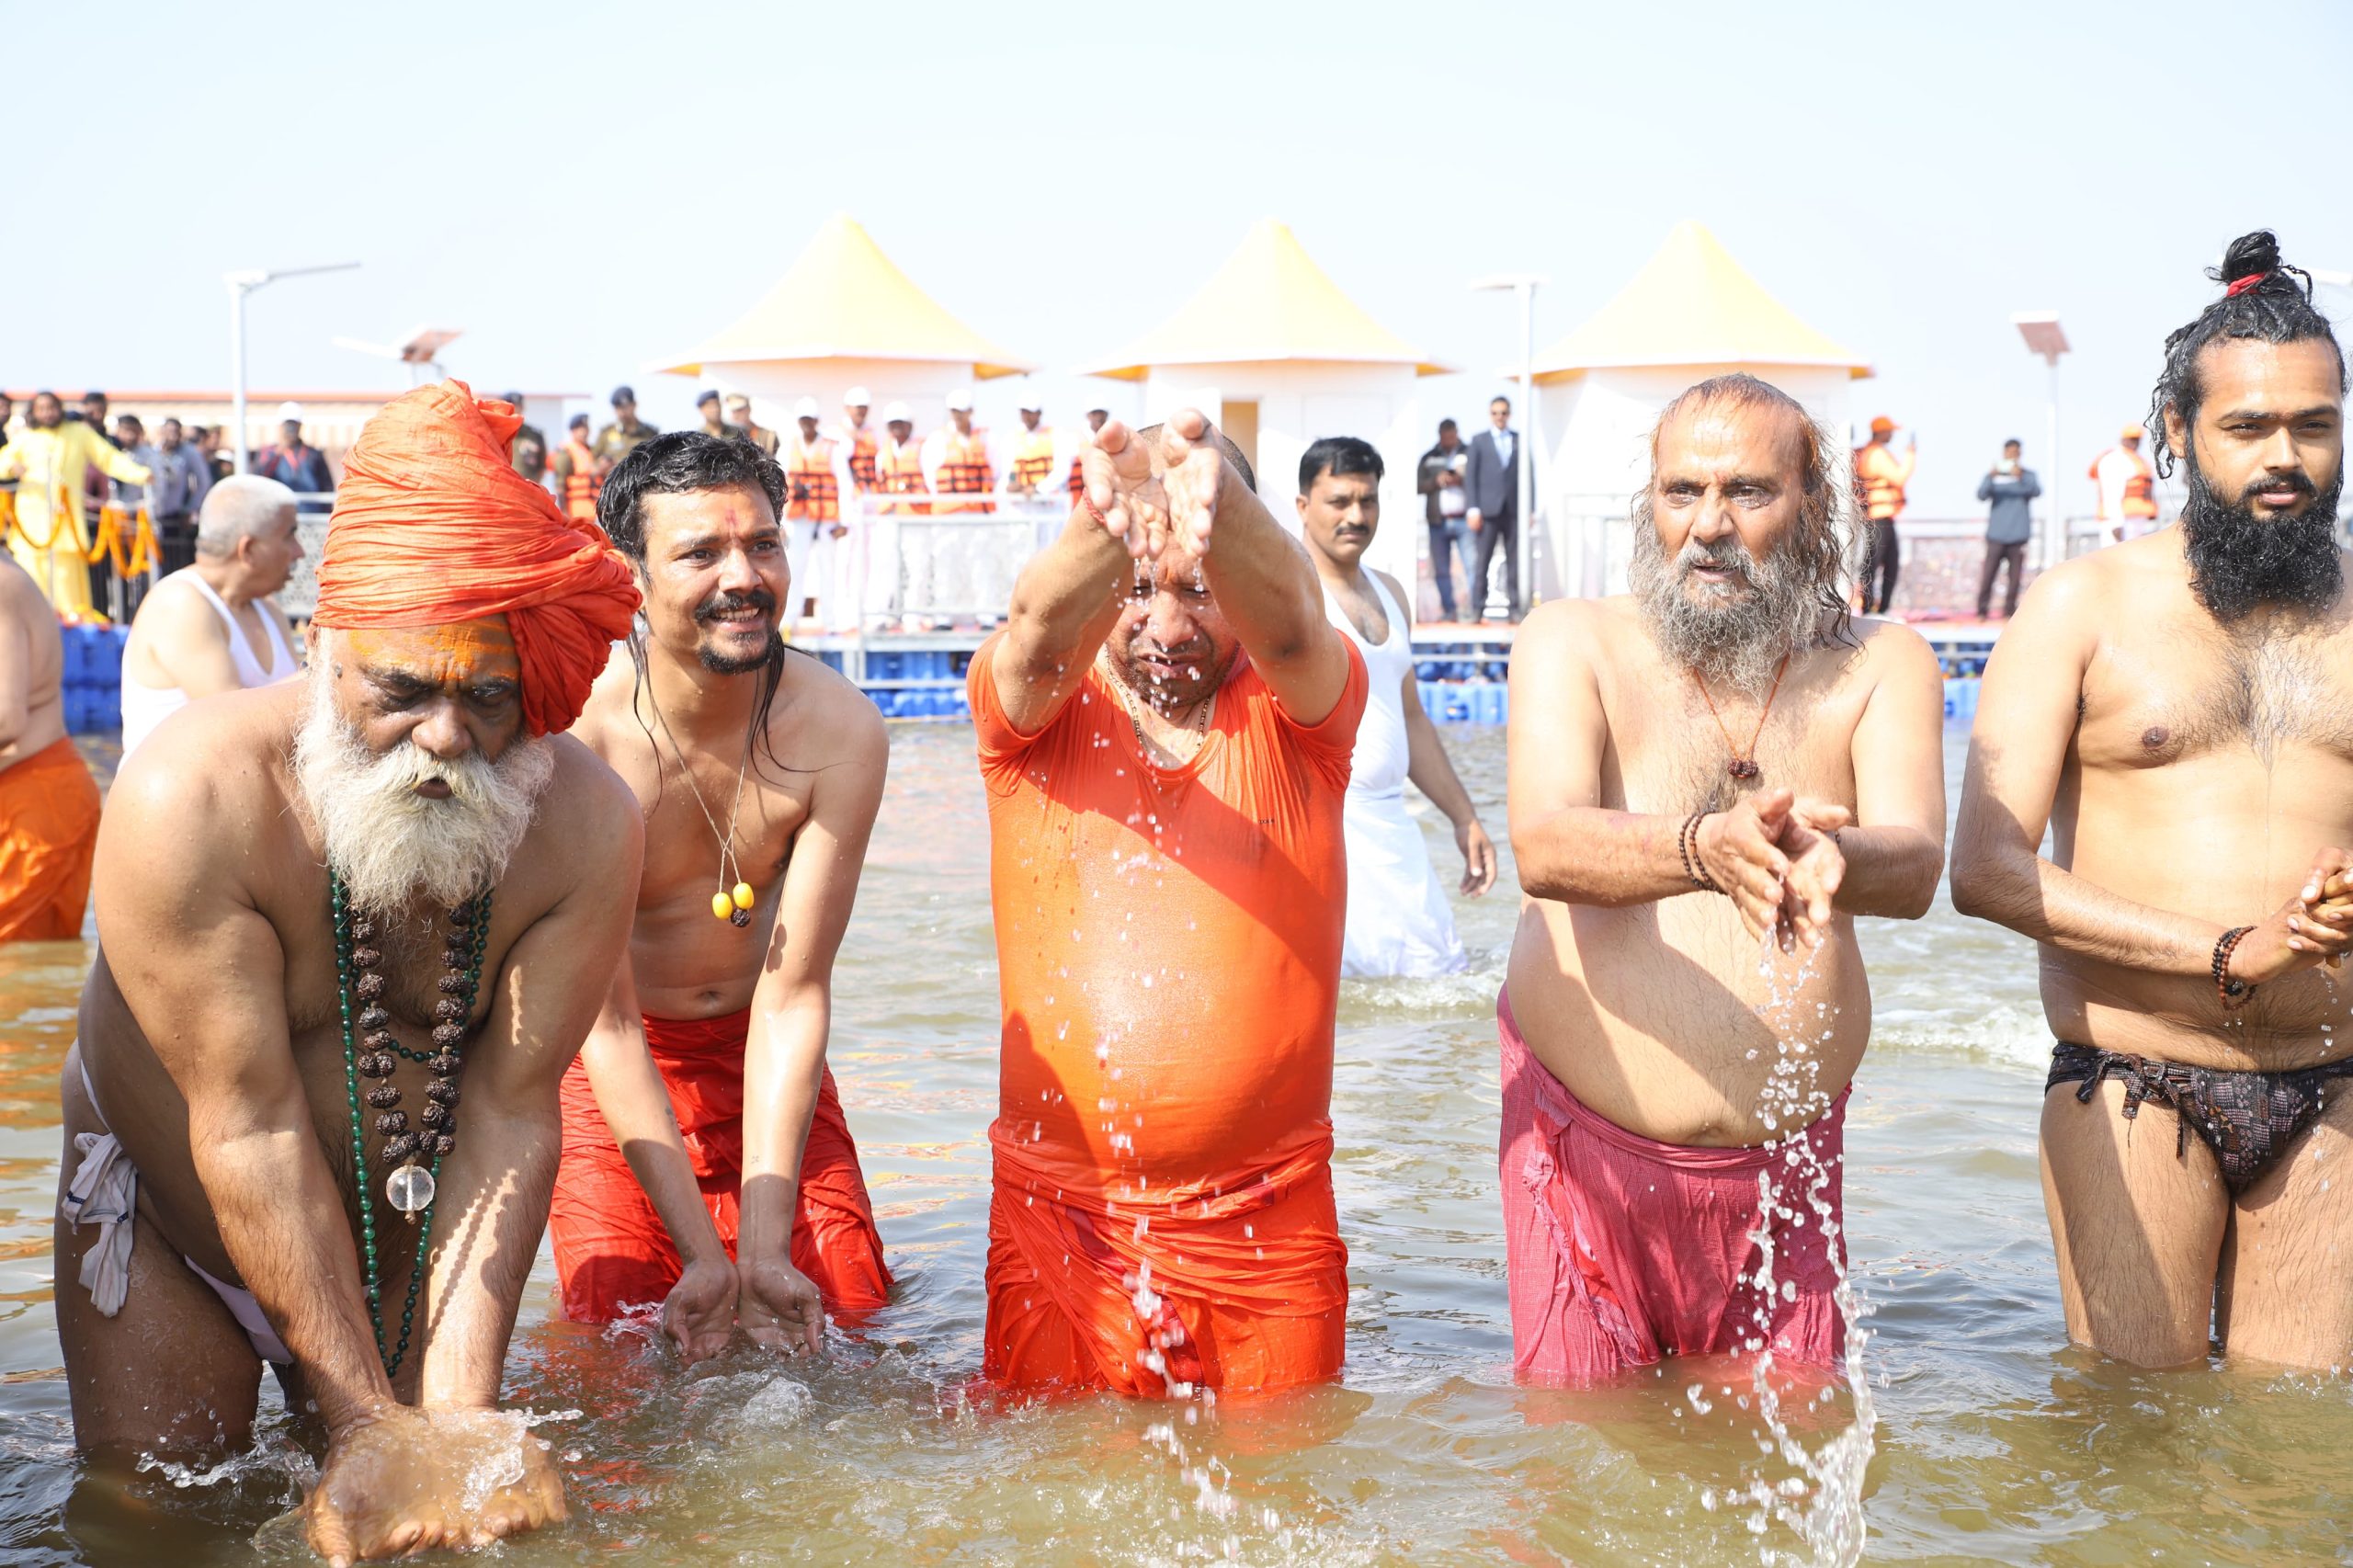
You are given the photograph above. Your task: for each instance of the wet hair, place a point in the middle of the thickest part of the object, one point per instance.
(1339, 456)
(1825, 502)
(2277, 307)
(682, 462)
(677, 463)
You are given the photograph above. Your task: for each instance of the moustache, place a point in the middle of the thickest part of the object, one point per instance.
(2297, 481)
(722, 604)
(1726, 555)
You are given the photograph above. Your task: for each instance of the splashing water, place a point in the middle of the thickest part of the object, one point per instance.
(1819, 1495)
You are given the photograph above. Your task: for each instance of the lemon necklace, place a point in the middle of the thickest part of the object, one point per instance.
(732, 901)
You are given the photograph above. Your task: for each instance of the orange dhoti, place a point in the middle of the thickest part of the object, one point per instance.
(611, 1249)
(1240, 1285)
(49, 833)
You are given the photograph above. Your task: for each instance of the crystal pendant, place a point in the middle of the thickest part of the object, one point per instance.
(410, 1189)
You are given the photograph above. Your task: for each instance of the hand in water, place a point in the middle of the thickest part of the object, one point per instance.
(411, 1481)
(2315, 926)
(779, 1307)
(1817, 865)
(1153, 495)
(1739, 848)
(1478, 858)
(699, 1312)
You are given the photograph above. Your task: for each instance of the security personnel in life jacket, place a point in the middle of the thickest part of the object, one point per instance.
(1030, 471)
(816, 477)
(858, 439)
(958, 460)
(578, 472)
(2128, 499)
(898, 471)
(1880, 478)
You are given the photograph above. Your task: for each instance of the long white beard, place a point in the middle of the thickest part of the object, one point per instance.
(391, 845)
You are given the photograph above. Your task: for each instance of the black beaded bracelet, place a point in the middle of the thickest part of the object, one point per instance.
(1687, 841)
(2229, 991)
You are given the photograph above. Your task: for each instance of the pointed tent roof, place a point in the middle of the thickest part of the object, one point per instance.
(1269, 301)
(1692, 304)
(843, 298)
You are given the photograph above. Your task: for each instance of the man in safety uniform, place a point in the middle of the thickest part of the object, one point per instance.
(2128, 502)
(817, 476)
(857, 440)
(579, 472)
(1033, 452)
(955, 574)
(1880, 478)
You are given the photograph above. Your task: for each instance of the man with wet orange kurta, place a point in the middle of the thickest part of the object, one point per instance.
(48, 807)
(1165, 726)
(352, 930)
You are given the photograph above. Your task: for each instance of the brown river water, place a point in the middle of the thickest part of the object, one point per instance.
(1995, 1442)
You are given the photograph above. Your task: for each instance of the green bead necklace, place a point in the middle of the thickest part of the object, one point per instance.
(369, 1048)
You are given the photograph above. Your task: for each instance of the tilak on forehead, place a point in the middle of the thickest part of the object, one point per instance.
(433, 529)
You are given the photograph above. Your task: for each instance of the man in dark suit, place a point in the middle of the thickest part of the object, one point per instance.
(1493, 484)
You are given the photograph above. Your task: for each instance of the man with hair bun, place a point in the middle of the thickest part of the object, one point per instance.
(1720, 758)
(2177, 711)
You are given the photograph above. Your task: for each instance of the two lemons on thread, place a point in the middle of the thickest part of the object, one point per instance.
(725, 905)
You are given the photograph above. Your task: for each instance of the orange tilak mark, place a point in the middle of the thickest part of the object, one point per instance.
(482, 649)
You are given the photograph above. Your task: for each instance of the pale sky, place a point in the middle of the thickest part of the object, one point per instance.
(583, 187)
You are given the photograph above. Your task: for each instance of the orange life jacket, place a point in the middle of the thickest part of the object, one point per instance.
(816, 494)
(1875, 478)
(862, 449)
(1078, 476)
(899, 471)
(583, 484)
(964, 470)
(1033, 458)
(2139, 490)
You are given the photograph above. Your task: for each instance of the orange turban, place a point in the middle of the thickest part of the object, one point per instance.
(433, 525)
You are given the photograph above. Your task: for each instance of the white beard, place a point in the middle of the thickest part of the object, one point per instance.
(389, 843)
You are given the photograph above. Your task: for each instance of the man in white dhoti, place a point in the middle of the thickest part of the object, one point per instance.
(1399, 920)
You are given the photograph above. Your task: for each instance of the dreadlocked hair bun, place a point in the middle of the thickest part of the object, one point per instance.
(2258, 256)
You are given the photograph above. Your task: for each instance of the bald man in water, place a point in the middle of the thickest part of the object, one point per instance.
(1721, 756)
(2177, 711)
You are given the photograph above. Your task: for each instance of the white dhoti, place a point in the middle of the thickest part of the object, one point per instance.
(1400, 924)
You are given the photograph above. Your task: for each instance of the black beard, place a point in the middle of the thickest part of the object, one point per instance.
(2240, 563)
(722, 604)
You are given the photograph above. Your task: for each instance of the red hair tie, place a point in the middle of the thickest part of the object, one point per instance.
(2244, 284)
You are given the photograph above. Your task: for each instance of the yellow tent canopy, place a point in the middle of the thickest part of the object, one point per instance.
(1269, 301)
(843, 298)
(1692, 304)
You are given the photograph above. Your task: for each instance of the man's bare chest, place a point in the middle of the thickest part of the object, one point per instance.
(2152, 701)
(1669, 752)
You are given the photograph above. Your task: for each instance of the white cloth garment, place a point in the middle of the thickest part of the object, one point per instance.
(104, 1188)
(1399, 922)
(144, 707)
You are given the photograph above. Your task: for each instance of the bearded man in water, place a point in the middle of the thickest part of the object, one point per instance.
(2178, 710)
(1720, 759)
(391, 881)
(1165, 730)
(758, 771)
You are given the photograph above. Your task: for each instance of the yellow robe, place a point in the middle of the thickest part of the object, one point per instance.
(49, 542)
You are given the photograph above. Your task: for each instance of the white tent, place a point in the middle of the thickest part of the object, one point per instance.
(1691, 313)
(1273, 351)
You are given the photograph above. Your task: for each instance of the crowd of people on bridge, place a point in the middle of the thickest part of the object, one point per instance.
(480, 929)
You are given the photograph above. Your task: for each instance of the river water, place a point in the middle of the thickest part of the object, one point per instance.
(1995, 1442)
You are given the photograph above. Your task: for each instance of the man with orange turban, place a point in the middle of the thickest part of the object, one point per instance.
(352, 930)
(1165, 729)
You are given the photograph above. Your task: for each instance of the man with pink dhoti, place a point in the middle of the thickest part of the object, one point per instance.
(1711, 776)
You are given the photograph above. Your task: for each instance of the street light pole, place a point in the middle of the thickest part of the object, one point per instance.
(1524, 284)
(2044, 336)
(241, 284)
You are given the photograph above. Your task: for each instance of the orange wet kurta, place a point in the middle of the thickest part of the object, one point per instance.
(1168, 954)
(48, 834)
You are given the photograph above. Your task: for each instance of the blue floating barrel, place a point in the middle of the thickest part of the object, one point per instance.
(1487, 703)
(77, 656)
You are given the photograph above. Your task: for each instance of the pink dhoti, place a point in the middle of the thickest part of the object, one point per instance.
(1622, 1249)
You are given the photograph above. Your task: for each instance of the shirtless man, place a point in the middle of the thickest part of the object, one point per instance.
(1720, 759)
(48, 804)
(291, 914)
(2178, 710)
(1399, 921)
(214, 627)
(758, 771)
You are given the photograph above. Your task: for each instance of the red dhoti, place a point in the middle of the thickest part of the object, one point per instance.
(1620, 1249)
(611, 1248)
